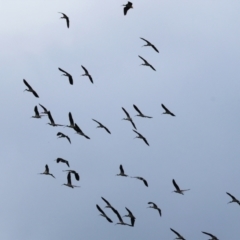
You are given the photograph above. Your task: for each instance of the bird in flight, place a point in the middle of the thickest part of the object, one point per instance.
(233, 199)
(58, 160)
(142, 179)
(69, 182)
(120, 219)
(79, 131)
(178, 190)
(103, 214)
(121, 172)
(130, 215)
(64, 16)
(62, 135)
(46, 172)
(212, 236)
(67, 75)
(30, 89)
(45, 111)
(77, 177)
(141, 137)
(167, 111)
(180, 237)
(139, 112)
(108, 204)
(52, 123)
(127, 7)
(146, 63)
(128, 118)
(154, 206)
(101, 126)
(72, 125)
(37, 115)
(87, 74)
(149, 44)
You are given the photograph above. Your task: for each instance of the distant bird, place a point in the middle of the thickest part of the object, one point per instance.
(120, 219)
(212, 236)
(72, 125)
(52, 123)
(108, 204)
(128, 118)
(30, 89)
(79, 131)
(58, 160)
(87, 74)
(45, 111)
(144, 181)
(64, 16)
(149, 44)
(77, 177)
(127, 7)
(62, 135)
(67, 75)
(46, 172)
(121, 172)
(37, 115)
(154, 206)
(178, 190)
(167, 111)
(103, 214)
(69, 182)
(233, 199)
(140, 113)
(146, 63)
(180, 237)
(141, 137)
(101, 126)
(130, 215)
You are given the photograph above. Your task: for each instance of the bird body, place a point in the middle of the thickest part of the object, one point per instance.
(146, 63)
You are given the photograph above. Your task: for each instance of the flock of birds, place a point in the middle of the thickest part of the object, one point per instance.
(77, 129)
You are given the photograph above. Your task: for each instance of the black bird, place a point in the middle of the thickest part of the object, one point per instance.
(130, 215)
(144, 181)
(79, 131)
(121, 172)
(146, 63)
(87, 74)
(154, 206)
(77, 177)
(167, 111)
(128, 118)
(233, 199)
(149, 44)
(30, 89)
(67, 75)
(140, 113)
(69, 183)
(61, 135)
(103, 214)
(45, 111)
(64, 16)
(101, 126)
(141, 137)
(212, 236)
(108, 204)
(46, 172)
(178, 190)
(62, 160)
(52, 121)
(37, 115)
(180, 237)
(127, 7)
(120, 219)
(72, 125)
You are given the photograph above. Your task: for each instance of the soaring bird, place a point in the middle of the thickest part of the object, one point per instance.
(46, 172)
(79, 131)
(120, 219)
(180, 237)
(45, 111)
(103, 214)
(130, 215)
(69, 182)
(52, 123)
(87, 74)
(67, 75)
(149, 44)
(108, 204)
(101, 126)
(30, 89)
(233, 199)
(37, 115)
(154, 206)
(58, 160)
(62, 135)
(146, 63)
(72, 125)
(64, 16)
(178, 190)
(77, 177)
(212, 236)
(142, 179)
(167, 111)
(127, 7)
(141, 137)
(121, 172)
(140, 113)
(128, 118)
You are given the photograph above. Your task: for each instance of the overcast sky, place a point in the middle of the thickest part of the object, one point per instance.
(196, 77)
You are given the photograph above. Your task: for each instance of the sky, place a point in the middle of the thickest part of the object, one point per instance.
(196, 77)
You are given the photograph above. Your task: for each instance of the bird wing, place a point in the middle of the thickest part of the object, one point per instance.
(100, 210)
(108, 219)
(85, 70)
(155, 48)
(133, 124)
(107, 129)
(146, 41)
(125, 9)
(106, 201)
(97, 122)
(67, 20)
(118, 215)
(152, 67)
(165, 108)
(36, 110)
(86, 136)
(70, 79)
(59, 134)
(137, 109)
(121, 169)
(76, 128)
(145, 182)
(130, 213)
(50, 117)
(143, 59)
(46, 168)
(132, 221)
(63, 71)
(159, 210)
(126, 112)
(68, 138)
(137, 133)
(175, 185)
(35, 94)
(175, 232)
(77, 177)
(209, 234)
(67, 163)
(145, 140)
(69, 178)
(152, 204)
(90, 77)
(26, 83)
(43, 107)
(70, 119)
(231, 195)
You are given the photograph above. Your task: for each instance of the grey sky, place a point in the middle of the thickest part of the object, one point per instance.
(197, 78)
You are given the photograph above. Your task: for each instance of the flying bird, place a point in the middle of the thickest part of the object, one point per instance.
(180, 237)
(178, 190)
(77, 177)
(141, 137)
(149, 44)
(128, 118)
(108, 204)
(45, 111)
(167, 111)
(69, 182)
(37, 115)
(127, 7)
(121, 172)
(233, 199)
(58, 160)
(79, 131)
(142, 179)
(130, 215)
(30, 89)
(120, 219)
(140, 113)
(146, 63)
(46, 172)
(103, 214)
(52, 123)
(61, 135)
(67, 75)
(212, 236)
(72, 125)
(87, 74)
(101, 126)
(64, 16)
(154, 206)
